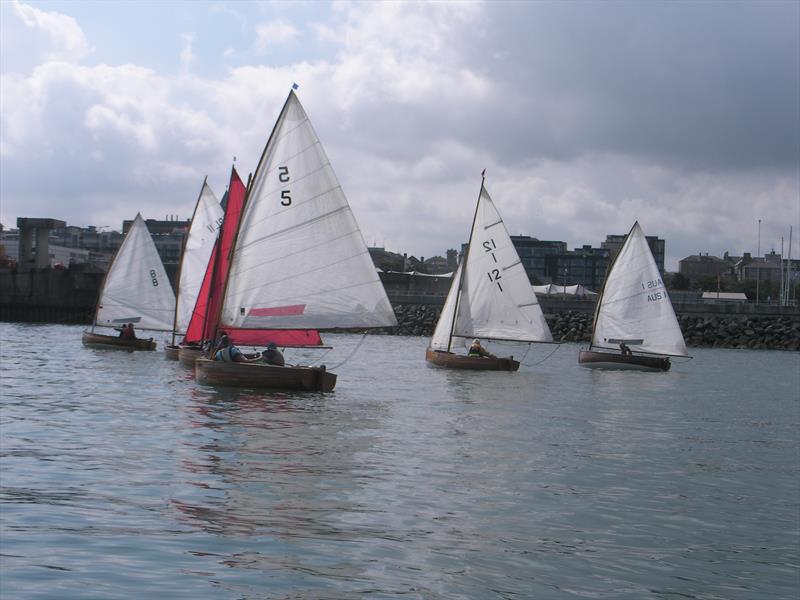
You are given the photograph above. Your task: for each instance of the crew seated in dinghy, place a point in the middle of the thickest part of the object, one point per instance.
(478, 351)
(230, 353)
(273, 356)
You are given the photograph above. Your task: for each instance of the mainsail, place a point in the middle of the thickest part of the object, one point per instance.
(634, 306)
(200, 240)
(300, 261)
(136, 289)
(491, 296)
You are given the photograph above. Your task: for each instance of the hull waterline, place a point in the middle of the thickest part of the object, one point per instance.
(113, 342)
(261, 376)
(631, 362)
(450, 360)
(188, 354)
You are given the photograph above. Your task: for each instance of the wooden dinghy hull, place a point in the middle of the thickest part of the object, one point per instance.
(171, 352)
(451, 360)
(114, 342)
(188, 354)
(262, 376)
(631, 362)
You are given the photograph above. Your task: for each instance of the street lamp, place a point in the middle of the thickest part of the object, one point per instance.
(758, 255)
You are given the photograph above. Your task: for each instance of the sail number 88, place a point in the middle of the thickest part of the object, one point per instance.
(153, 278)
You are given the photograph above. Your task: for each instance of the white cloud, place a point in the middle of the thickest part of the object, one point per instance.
(275, 33)
(65, 39)
(187, 56)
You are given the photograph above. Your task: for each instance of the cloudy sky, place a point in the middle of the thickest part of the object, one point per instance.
(586, 115)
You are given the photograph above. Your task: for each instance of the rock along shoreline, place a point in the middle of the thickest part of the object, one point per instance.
(741, 331)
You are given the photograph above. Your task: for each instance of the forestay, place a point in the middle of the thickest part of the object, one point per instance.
(136, 288)
(635, 307)
(300, 261)
(196, 253)
(496, 300)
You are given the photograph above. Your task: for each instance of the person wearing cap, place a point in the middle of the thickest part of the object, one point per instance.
(477, 351)
(273, 356)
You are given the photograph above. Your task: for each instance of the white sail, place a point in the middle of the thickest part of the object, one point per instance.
(196, 253)
(300, 261)
(441, 335)
(136, 289)
(496, 299)
(635, 307)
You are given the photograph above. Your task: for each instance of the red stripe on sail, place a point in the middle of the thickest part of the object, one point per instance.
(278, 311)
(282, 337)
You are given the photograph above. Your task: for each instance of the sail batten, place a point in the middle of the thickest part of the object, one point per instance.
(635, 304)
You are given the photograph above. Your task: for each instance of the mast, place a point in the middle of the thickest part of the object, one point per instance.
(464, 264)
(603, 289)
(180, 264)
(251, 178)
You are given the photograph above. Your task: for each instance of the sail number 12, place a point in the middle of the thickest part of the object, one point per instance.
(283, 177)
(493, 275)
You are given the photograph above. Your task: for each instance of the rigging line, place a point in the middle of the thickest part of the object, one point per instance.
(544, 359)
(361, 341)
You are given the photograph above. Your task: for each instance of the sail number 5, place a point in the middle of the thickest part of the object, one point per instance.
(283, 177)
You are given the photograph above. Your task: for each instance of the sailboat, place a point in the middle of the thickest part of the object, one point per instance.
(135, 290)
(634, 323)
(197, 247)
(490, 297)
(299, 263)
(205, 313)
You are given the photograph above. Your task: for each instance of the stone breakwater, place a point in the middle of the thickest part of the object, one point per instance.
(757, 332)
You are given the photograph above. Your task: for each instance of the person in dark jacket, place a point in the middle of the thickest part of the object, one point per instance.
(273, 356)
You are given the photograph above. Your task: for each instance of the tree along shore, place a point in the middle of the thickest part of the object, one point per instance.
(739, 331)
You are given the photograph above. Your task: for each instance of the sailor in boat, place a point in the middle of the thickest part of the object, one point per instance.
(478, 351)
(230, 353)
(626, 351)
(273, 356)
(127, 332)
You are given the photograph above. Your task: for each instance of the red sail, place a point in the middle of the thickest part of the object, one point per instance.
(205, 317)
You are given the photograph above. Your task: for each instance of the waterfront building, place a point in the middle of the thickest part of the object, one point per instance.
(702, 265)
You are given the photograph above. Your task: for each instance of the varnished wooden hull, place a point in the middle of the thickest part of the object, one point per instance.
(631, 362)
(262, 376)
(171, 352)
(188, 354)
(451, 360)
(114, 342)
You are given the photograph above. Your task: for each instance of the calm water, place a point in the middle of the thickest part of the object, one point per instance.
(122, 478)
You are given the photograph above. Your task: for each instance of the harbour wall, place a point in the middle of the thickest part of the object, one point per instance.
(701, 329)
(69, 296)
